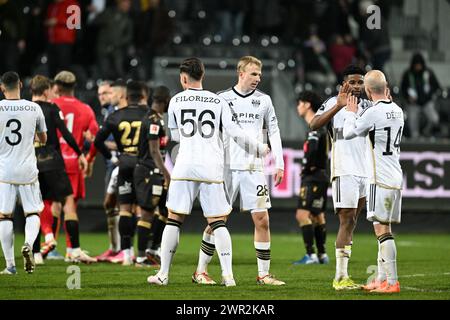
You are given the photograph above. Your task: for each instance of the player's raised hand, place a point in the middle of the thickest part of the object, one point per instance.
(344, 92)
(279, 175)
(352, 103)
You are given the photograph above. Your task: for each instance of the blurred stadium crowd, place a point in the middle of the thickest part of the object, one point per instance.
(120, 38)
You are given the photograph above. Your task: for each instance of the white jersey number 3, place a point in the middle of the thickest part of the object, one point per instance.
(14, 125)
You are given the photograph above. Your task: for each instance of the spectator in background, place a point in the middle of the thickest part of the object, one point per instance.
(342, 52)
(231, 14)
(418, 87)
(61, 39)
(12, 34)
(154, 30)
(114, 39)
(317, 68)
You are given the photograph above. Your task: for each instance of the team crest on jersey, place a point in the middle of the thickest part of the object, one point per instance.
(256, 103)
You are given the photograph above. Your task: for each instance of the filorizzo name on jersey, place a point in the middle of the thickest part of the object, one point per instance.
(197, 98)
(17, 108)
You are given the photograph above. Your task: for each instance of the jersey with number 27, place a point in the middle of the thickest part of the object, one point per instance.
(19, 121)
(79, 118)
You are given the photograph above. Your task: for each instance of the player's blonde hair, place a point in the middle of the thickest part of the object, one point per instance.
(245, 61)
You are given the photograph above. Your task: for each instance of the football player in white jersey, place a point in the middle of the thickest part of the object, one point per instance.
(20, 121)
(348, 169)
(253, 110)
(196, 117)
(384, 124)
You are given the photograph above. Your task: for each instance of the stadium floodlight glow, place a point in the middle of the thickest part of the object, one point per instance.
(177, 39)
(44, 59)
(26, 10)
(202, 14)
(134, 62)
(236, 42)
(444, 94)
(265, 42)
(298, 88)
(308, 86)
(396, 90)
(223, 64)
(172, 14)
(245, 39)
(164, 63)
(207, 41)
(217, 38)
(291, 63)
(328, 91)
(274, 39)
(281, 66)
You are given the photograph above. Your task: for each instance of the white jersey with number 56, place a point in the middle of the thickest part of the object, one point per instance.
(199, 116)
(19, 121)
(384, 124)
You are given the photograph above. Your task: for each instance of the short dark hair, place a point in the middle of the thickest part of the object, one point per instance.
(10, 80)
(313, 98)
(134, 91)
(119, 83)
(353, 69)
(193, 67)
(161, 94)
(39, 84)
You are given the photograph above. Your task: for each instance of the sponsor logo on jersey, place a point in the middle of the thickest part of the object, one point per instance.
(154, 129)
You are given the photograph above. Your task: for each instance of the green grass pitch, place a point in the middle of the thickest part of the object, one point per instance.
(423, 267)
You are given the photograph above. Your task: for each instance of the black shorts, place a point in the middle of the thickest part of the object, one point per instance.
(149, 186)
(125, 180)
(55, 185)
(313, 197)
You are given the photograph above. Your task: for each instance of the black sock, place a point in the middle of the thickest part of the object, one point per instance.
(308, 238)
(320, 233)
(37, 243)
(143, 233)
(74, 233)
(126, 231)
(157, 230)
(55, 226)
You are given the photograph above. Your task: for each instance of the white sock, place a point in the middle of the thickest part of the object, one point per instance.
(389, 256)
(263, 258)
(342, 258)
(32, 225)
(7, 240)
(169, 243)
(49, 237)
(113, 233)
(224, 250)
(381, 275)
(206, 252)
(127, 254)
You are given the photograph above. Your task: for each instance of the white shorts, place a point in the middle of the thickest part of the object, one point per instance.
(252, 188)
(212, 197)
(347, 190)
(384, 205)
(112, 185)
(30, 197)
